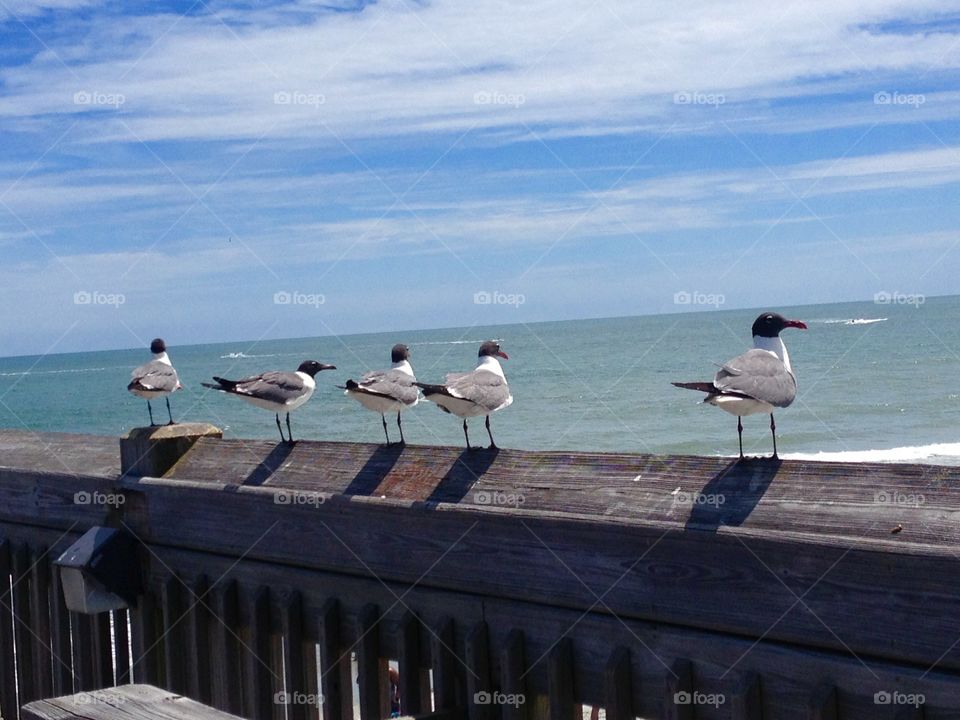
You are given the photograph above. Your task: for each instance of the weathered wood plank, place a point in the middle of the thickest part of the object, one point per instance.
(134, 702)
(84, 651)
(173, 605)
(618, 686)
(299, 660)
(335, 680)
(145, 622)
(60, 452)
(823, 703)
(745, 701)
(121, 631)
(102, 651)
(225, 672)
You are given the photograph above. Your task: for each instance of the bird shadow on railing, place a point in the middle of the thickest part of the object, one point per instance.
(466, 470)
(732, 494)
(374, 470)
(269, 465)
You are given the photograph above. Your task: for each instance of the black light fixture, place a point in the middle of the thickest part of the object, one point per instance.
(100, 572)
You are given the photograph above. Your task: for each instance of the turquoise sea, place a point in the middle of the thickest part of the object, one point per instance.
(876, 381)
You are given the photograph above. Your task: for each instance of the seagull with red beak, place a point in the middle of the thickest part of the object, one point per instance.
(481, 392)
(759, 380)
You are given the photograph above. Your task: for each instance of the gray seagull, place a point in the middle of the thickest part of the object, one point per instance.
(386, 391)
(155, 379)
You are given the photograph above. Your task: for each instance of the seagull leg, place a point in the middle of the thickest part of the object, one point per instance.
(280, 428)
(383, 419)
(465, 436)
(169, 414)
(399, 425)
(493, 445)
(773, 432)
(740, 434)
(289, 431)
(150, 410)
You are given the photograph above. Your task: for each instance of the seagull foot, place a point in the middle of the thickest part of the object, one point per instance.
(493, 447)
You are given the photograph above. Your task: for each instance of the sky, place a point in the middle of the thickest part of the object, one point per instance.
(209, 171)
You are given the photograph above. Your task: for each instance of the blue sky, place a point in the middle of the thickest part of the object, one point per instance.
(182, 169)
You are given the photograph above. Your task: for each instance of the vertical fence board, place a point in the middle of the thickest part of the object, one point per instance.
(84, 652)
(618, 686)
(102, 651)
(679, 687)
(335, 679)
(22, 624)
(443, 659)
(297, 656)
(258, 671)
(121, 632)
(560, 681)
(745, 701)
(368, 663)
(198, 642)
(173, 606)
(40, 612)
(513, 666)
(8, 669)
(59, 636)
(225, 671)
(146, 647)
(477, 652)
(411, 661)
(823, 704)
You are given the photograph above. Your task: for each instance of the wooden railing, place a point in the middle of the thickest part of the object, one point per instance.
(282, 581)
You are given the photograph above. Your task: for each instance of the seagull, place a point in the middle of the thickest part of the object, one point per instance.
(480, 392)
(155, 379)
(759, 380)
(386, 391)
(276, 391)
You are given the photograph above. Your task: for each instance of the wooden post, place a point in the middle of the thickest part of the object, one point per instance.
(335, 679)
(513, 665)
(618, 686)
(226, 648)
(152, 451)
(677, 705)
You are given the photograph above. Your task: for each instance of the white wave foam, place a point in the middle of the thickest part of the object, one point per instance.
(54, 372)
(851, 321)
(456, 342)
(937, 453)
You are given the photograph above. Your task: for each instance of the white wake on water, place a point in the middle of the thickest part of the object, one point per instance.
(851, 321)
(936, 453)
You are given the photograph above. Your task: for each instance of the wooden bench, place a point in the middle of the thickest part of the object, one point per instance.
(131, 702)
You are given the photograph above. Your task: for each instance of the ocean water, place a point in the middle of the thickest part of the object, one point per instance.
(876, 382)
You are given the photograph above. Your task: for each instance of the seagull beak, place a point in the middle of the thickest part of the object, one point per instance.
(799, 324)
(327, 367)
(502, 354)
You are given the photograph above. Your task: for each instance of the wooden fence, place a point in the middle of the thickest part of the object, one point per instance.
(281, 581)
